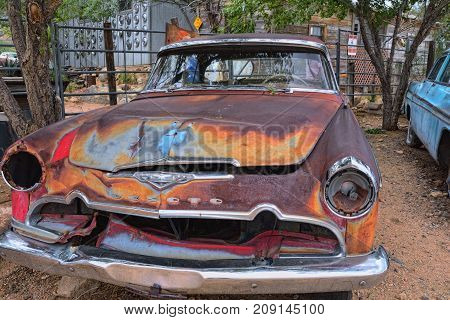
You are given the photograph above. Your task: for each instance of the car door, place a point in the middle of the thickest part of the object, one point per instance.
(423, 115)
(439, 102)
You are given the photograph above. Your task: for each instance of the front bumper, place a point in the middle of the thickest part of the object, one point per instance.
(324, 274)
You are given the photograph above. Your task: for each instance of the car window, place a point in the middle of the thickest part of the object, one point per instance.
(446, 76)
(435, 71)
(237, 68)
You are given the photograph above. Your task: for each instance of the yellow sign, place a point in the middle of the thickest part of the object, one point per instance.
(198, 23)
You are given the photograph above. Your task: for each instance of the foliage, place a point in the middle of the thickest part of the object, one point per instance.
(241, 15)
(373, 16)
(127, 78)
(375, 131)
(95, 10)
(72, 87)
(6, 46)
(442, 36)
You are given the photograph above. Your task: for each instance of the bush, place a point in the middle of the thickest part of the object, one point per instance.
(128, 78)
(72, 87)
(374, 131)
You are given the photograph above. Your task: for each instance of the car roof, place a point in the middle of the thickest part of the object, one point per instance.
(250, 38)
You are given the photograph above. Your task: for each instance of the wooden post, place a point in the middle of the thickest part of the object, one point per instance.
(430, 61)
(110, 67)
(351, 82)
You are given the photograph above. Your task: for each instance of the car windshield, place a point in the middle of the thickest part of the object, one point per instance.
(234, 68)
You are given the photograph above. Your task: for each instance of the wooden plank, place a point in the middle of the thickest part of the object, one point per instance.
(110, 66)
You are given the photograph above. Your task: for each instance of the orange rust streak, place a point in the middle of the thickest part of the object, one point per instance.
(314, 201)
(96, 185)
(361, 233)
(255, 147)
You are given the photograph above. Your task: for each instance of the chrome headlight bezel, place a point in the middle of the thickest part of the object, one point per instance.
(351, 165)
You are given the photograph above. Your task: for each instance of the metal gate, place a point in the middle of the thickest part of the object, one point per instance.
(135, 37)
(357, 75)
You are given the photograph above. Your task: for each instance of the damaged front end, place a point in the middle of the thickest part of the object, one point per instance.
(200, 205)
(207, 233)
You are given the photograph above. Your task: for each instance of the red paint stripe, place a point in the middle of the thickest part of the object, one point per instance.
(63, 149)
(20, 204)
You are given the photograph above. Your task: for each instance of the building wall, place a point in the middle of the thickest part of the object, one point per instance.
(141, 15)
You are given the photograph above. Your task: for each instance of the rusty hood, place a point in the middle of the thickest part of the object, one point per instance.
(242, 128)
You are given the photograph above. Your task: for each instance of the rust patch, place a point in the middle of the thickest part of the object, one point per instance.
(360, 234)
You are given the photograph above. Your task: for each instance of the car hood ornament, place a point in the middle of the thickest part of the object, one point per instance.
(163, 180)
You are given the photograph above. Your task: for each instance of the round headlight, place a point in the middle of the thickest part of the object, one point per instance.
(22, 171)
(350, 190)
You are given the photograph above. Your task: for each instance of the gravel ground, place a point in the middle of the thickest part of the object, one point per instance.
(413, 227)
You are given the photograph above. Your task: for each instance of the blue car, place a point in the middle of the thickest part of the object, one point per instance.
(427, 106)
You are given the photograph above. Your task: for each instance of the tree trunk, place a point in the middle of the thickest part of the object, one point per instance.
(32, 44)
(393, 100)
(388, 107)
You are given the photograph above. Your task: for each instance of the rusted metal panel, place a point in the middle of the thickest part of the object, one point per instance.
(63, 223)
(250, 129)
(122, 237)
(297, 193)
(246, 128)
(97, 186)
(175, 33)
(360, 236)
(68, 226)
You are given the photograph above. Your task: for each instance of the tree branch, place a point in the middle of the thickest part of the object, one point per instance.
(14, 9)
(52, 7)
(398, 20)
(15, 114)
(375, 58)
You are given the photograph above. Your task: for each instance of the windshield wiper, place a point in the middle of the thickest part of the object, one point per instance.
(267, 88)
(174, 88)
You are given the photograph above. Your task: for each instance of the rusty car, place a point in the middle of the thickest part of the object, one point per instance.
(239, 169)
(427, 108)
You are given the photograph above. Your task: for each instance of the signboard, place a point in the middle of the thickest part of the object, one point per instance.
(198, 23)
(352, 43)
(174, 33)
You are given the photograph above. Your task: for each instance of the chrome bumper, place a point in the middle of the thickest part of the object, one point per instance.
(329, 274)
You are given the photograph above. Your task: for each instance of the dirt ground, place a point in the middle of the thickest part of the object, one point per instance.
(413, 227)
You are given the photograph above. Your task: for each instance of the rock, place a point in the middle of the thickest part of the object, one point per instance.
(125, 87)
(122, 101)
(403, 296)
(379, 100)
(141, 81)
(399, 151)
(361, 102)
(100, 99)
(5, 219)
(438, 194)
(374, 106)
(74, 99)
(103, 77)
(72, 288)
(92, 89)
